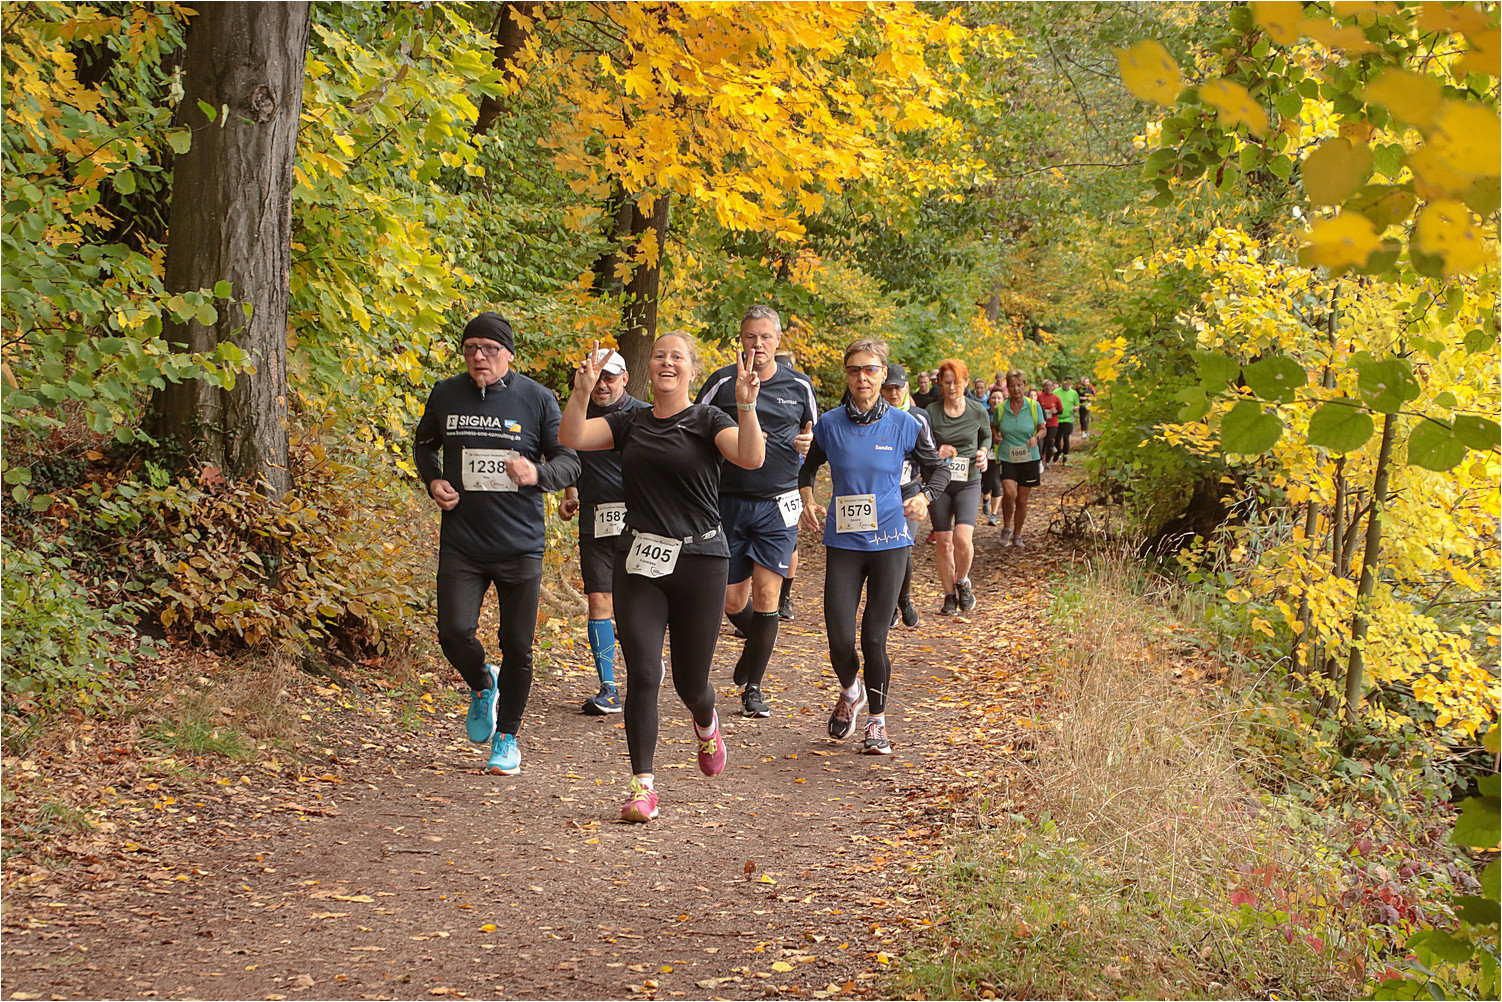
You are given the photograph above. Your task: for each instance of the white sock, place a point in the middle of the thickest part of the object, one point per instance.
(854, 692)
(645, 779)
(879, 718)
(706, 735)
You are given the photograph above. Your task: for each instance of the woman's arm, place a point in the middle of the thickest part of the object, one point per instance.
(744, 445)
(576, 430)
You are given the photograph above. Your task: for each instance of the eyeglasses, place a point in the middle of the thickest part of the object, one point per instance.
(482, 350)
(870, 370)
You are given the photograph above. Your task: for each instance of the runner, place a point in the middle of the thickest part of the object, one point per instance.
(1069, 402)
(600, 503)
(1051, 407)
(1022, 425)
(759, 507)
(925, 394)
(671, 563)
(990, 478)
(962, 430)
(487, 448)
(866, 443)
(1087, 397)
(894, 391)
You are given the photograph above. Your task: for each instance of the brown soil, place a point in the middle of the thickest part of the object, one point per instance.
(379, 862)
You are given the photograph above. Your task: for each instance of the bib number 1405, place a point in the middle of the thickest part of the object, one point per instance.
(653, 556)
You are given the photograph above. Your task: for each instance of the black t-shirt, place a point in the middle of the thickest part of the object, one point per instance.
(670, 468)
(600, 473)
(784, 404)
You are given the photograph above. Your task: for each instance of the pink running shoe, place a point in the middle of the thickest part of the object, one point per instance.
(712, 751)
(641, 805)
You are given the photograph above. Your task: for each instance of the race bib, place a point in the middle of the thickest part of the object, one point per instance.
(791, 506)
(485, 469)
(907, 471)
(653, 556)
(1019, 454)
(959, 469)
(855, 513)
(610, 518)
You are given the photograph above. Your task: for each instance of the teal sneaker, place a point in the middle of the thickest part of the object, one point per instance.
(505, 757)
(480, 723)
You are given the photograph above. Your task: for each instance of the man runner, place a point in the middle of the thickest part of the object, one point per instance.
(487, 448)
(759, 509)
(600, 502)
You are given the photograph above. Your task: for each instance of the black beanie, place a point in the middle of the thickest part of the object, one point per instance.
(493, 326)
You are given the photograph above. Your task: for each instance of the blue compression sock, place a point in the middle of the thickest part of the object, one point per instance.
(602, 645)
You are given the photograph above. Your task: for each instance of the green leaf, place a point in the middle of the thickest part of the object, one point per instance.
(1196, 404)
(222, 290)
(1491, 880)
(1247, 430)
(1387, 384)
(124, 182)
(1383, 204)
(1275, 378)
(181, 140)
(1389, 159)
(1477, 911)
(1484, 195)
(208, 110)
(1215, 368)
(207, 315)
(1433, 446)
(1340, 426)
(1477, 433)
(1446, 399)
(1439, 945)
(1478, 340)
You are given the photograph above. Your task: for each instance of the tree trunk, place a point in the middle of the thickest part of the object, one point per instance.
(1361, 619)
(510, 36)
(640, 315)
(232, 220)
(993, 303)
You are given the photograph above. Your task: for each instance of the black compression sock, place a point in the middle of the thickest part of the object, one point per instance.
(787, 587)
(760, 640)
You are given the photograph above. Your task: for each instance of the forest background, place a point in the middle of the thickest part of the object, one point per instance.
(1269, 232)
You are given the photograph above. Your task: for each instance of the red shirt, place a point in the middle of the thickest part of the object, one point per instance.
(1053, 405)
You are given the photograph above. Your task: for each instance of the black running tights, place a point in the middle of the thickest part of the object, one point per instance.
(880, 572)
(462, 584)
(687, 605)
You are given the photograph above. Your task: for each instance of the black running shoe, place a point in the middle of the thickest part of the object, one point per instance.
(753, 704)
(965, 595)
(909, 613)
(951, 605)
(785, 609)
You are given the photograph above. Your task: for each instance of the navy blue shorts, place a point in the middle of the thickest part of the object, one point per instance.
(755, 532)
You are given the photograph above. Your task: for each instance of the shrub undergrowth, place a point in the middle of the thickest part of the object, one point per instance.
(1161, 853)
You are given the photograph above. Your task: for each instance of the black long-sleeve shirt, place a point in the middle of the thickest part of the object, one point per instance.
(465, 437)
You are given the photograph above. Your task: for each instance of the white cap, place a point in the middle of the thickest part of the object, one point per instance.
(613, 362)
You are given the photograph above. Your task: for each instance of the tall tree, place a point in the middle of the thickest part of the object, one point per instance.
(231, 222)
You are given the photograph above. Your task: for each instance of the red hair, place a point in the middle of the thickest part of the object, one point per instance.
(960, 370)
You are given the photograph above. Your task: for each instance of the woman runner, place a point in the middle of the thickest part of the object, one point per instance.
(672, 562)
(866, 537)
(962, 429)
(1021, 426)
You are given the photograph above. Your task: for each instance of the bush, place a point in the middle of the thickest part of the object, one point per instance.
(57, 645)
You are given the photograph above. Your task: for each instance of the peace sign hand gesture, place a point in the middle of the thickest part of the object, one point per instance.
(588, 373)
(747, 382)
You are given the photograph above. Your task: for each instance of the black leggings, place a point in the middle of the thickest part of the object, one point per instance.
(881, 572)
(686, 604)
(462, 585)
(1066, 429)
(1084, 416)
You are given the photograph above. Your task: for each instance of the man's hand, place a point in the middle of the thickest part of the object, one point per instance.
(443, 494)
(947, 452)
(980, 460)
(804, 440)
(916, 506)
(813, 517)
(522, 471)
(568, 508)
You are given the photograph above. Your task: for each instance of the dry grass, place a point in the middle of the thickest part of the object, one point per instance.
(1117, 881)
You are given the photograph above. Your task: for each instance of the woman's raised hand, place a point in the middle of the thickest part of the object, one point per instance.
(588, 373)
(747, 382)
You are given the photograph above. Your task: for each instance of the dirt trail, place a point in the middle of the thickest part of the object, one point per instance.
(405, 872)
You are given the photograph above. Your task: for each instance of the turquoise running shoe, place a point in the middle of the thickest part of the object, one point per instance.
(505, 756)
(480, 723)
